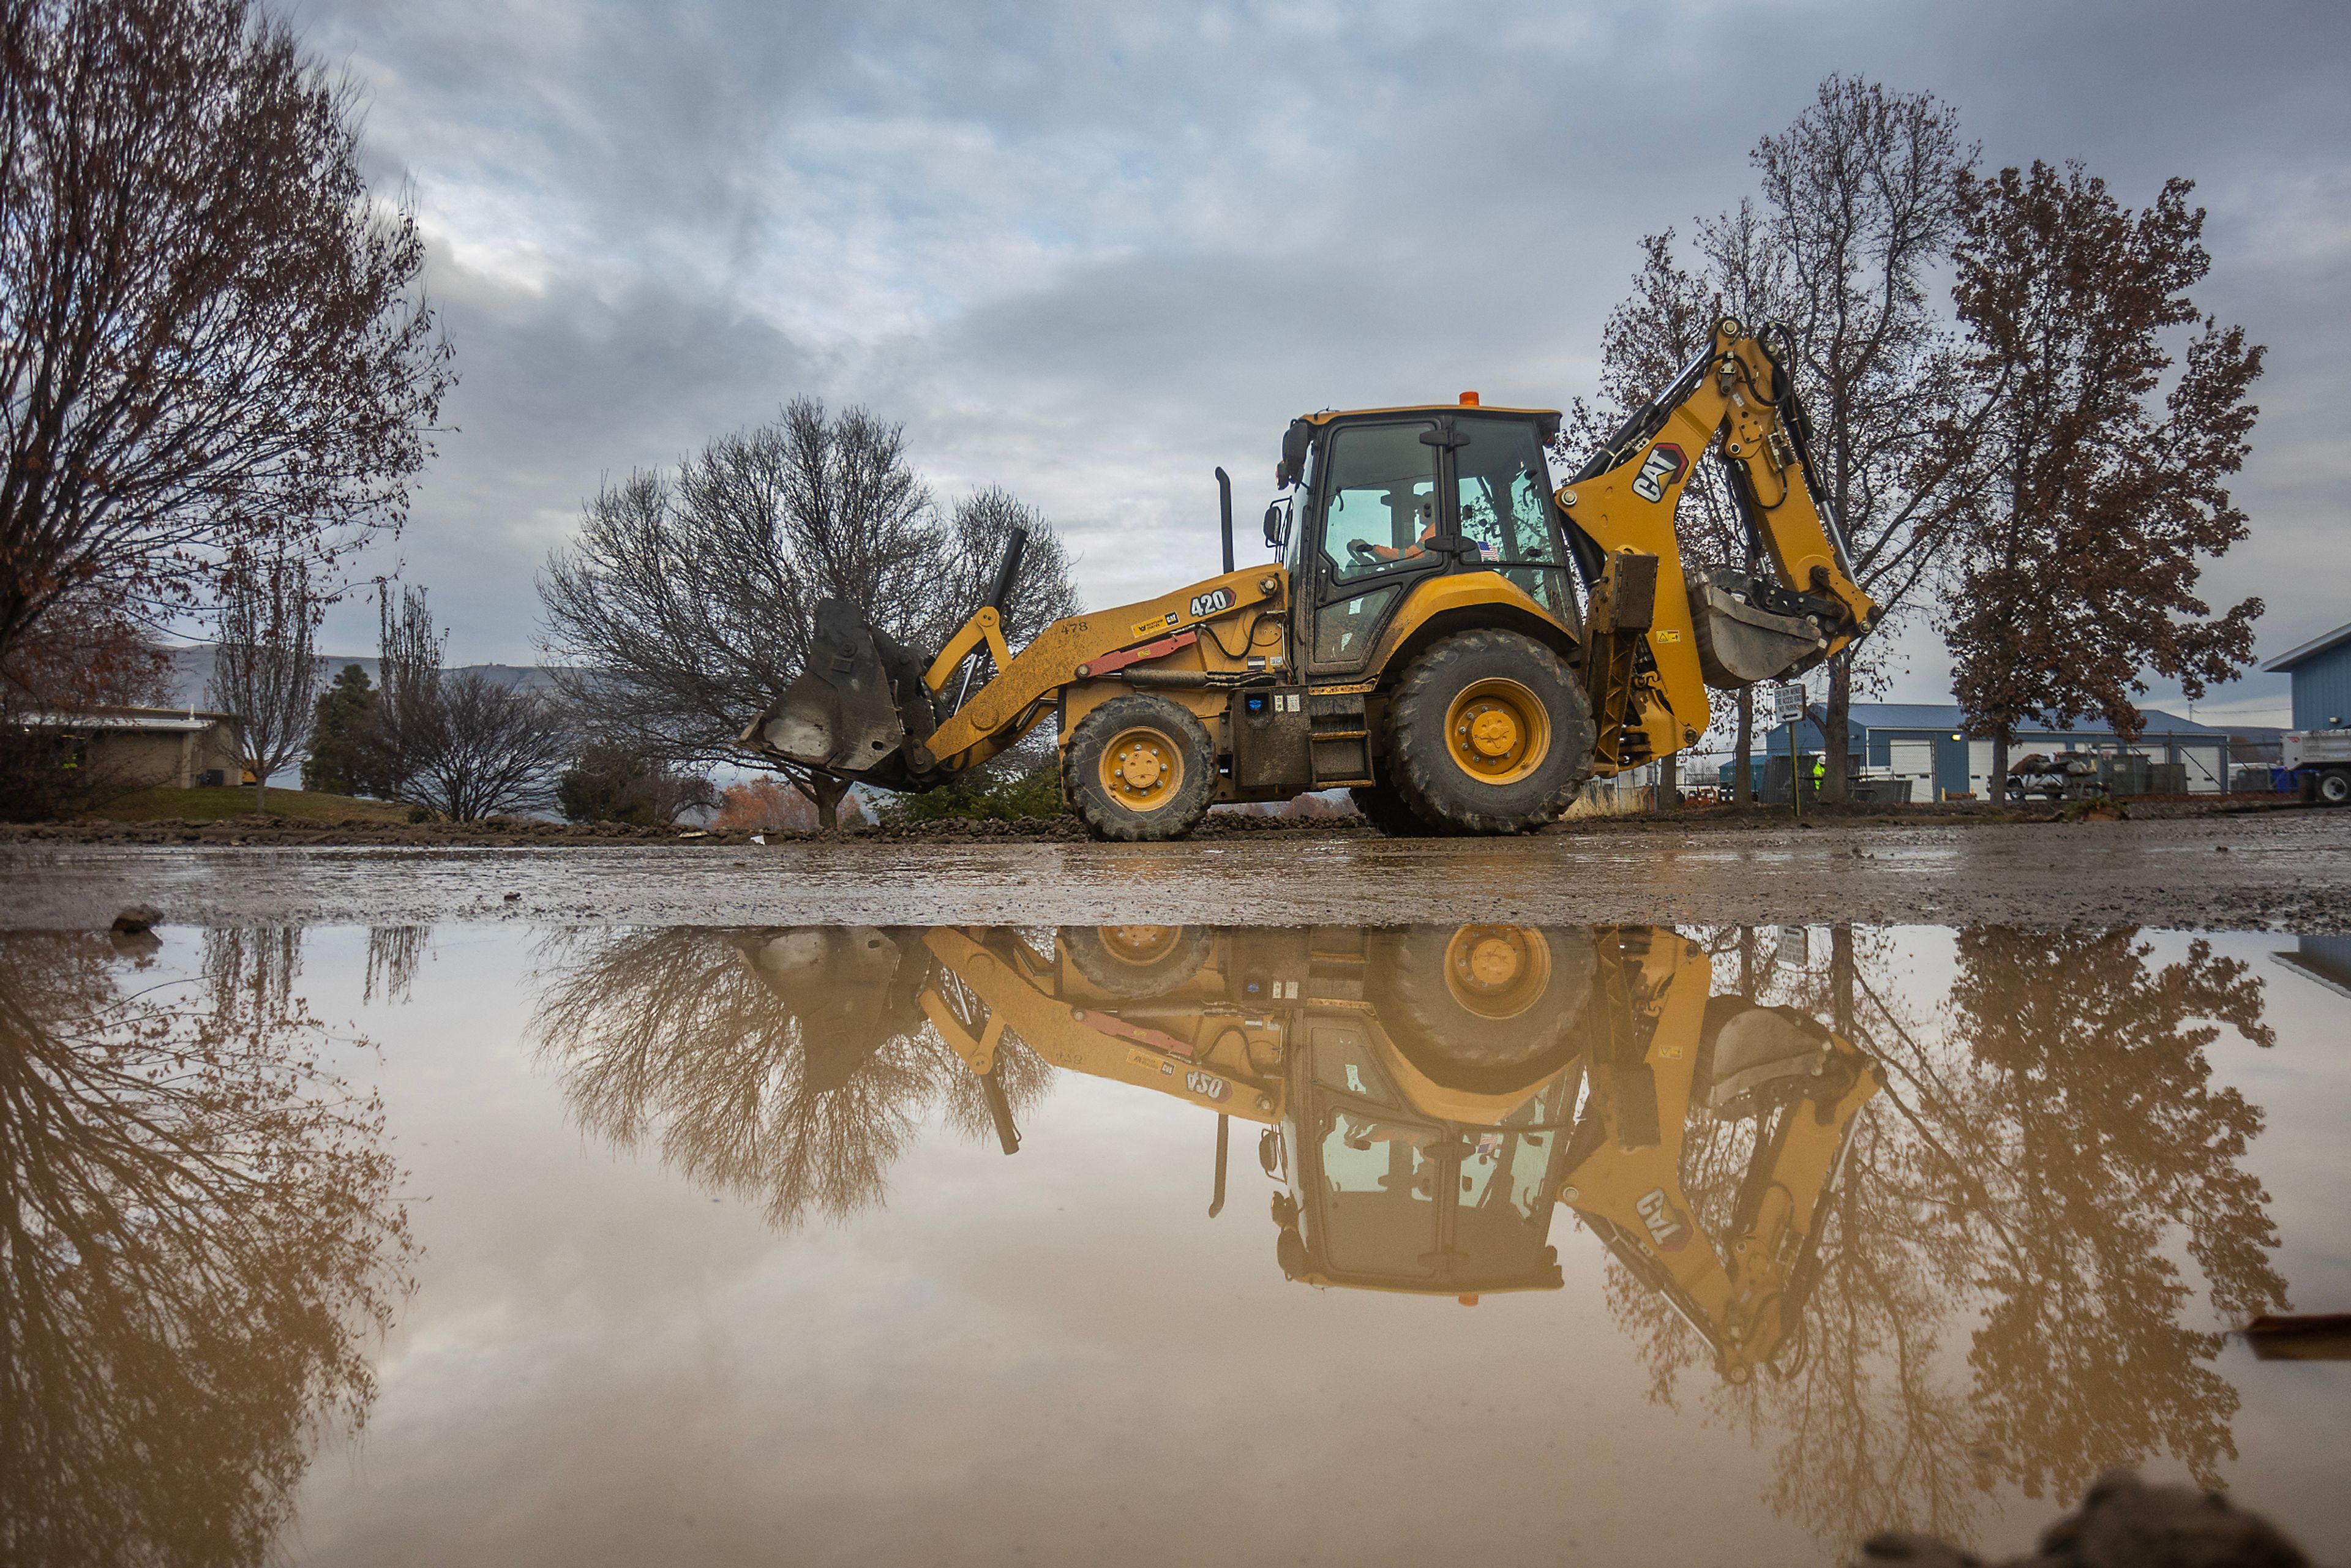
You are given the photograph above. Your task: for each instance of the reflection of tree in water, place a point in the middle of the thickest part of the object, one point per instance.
(791, 1065)
(197, 1235)
(2020, 1181)
(394, 953)
(2100, 1137)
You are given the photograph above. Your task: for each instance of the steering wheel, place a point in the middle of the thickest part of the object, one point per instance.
(1362, 551)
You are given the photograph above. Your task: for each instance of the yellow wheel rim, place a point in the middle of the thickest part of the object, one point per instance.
(1496, 731)
(1138, 944)
(1142, 768)
(1497, 971)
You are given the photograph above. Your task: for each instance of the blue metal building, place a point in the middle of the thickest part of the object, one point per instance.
(2321, 673)
(1923, 742)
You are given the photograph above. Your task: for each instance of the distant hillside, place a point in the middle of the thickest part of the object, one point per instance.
(192, 672)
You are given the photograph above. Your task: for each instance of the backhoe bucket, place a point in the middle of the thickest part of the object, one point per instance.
(1740, 643)
(850, 709)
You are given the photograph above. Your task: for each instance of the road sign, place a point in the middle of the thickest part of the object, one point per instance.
(1788, 703)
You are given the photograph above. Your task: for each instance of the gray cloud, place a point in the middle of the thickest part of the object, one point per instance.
(1091, 252)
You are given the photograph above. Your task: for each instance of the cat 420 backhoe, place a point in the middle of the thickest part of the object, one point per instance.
(1446, 634)
(1429, 1094)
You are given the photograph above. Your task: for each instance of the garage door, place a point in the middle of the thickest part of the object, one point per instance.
(1913, 760)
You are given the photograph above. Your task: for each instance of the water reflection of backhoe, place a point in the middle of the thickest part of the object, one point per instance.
(1428, 1093)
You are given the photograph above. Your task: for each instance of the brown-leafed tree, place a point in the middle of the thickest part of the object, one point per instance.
(2110, 473)
(264, 666)
(84, 654)
(687, 601)
(208, 326)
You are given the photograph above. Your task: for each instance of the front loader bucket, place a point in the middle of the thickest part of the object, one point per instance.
(1740, 643)
(852, 709)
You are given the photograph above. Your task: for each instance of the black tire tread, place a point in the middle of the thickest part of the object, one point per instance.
(1461, 1048)
(1424, 776)
(1115, 976)
(1082, 774)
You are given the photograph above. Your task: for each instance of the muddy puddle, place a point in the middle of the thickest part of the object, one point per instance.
(499, 1244)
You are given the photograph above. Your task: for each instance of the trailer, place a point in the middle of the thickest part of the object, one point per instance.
(2319, 761)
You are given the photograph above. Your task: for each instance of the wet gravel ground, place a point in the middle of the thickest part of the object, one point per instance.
(2278, 869)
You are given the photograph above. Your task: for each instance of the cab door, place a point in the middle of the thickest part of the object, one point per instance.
(1375, 495)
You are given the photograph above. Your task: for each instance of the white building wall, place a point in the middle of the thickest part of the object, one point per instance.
(2208, 768)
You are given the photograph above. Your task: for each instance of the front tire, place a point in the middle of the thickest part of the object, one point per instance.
(1135, 962)
(1488, 733)
(1140, 767)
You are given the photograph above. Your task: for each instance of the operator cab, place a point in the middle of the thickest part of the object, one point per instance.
(1392, 1199)
(1383, 499)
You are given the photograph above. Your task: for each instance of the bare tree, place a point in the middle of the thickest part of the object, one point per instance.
(207, 325)
(1860, 207)
(265, 669)
(687, 601)
(487, 747)
(977, 531)
(408, 675)
(2081, 560)
(1665, 323)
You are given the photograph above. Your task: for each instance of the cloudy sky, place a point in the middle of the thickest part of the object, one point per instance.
(1089, 252)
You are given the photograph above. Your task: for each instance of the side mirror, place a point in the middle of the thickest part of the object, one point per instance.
(1294, 447)
(1277, 530)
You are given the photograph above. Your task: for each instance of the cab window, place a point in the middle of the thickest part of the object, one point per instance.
(1379, 492)
(1506, 510)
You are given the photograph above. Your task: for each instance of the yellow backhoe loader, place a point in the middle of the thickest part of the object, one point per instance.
(1428, 1094)
(1446, 633)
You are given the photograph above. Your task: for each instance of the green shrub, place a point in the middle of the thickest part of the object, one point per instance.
(1004, 797)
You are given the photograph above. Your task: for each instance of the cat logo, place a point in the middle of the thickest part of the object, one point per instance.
(1663, 466)
(1666, 1226)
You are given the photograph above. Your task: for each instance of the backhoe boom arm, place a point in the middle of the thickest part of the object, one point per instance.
(1792, 603)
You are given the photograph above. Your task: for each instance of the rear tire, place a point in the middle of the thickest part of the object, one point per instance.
(1488, 733)
(1140, 767)
(2334, 787)
(1487, 1009)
